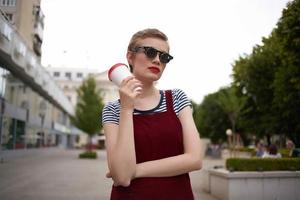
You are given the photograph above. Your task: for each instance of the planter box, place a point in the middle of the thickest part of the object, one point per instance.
(279, 185)
(235, 154)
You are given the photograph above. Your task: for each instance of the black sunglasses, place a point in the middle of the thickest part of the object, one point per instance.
(151, 53)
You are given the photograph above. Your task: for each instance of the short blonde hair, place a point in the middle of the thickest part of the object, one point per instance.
(146, 33)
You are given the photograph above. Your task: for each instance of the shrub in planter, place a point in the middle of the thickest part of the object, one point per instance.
(284, 152)
(88, 154)
(263, 164)
(244, 149)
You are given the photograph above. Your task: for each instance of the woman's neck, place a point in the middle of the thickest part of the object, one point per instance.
(148, 99)
(148, 90)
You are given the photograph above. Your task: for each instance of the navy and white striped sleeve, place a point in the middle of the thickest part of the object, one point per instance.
(180, 100)
(110, 113)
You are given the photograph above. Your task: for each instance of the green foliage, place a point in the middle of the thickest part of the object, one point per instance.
(210, 119)
(244, 149)
(263, 164)
(269, 79)
(253, 77)
(89, 108)
(284, 152)
(231, 104)
(287, 78)
(88, 154)
(218, 112)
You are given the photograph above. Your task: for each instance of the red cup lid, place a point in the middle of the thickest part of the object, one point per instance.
(114, 67)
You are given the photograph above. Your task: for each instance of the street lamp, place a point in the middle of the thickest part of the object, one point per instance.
(229, 138)
(229, 134)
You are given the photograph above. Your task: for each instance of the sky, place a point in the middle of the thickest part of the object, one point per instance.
(205, 36)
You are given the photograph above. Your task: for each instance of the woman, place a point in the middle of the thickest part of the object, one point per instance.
(151, 139)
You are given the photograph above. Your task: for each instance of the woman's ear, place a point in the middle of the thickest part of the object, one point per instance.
(130, 57)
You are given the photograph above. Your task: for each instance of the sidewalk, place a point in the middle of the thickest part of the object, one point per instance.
(57, 174)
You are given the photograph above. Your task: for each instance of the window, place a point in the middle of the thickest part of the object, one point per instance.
(22, 88)
(12, 89)
(68, 75)
(79, 75)
(9, 16)
(7, 2)
(56, 74)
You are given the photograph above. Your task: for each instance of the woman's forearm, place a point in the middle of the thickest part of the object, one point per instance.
(171, 166)
(123, 159)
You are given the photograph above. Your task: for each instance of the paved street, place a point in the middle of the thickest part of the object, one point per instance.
(57, 174)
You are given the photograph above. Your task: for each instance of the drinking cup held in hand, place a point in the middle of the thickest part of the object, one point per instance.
(118, 72)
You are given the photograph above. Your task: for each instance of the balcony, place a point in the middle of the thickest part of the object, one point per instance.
(17, 57)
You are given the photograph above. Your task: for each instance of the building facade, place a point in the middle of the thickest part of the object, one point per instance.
(69, 80)
(28, 18)
(34, 112)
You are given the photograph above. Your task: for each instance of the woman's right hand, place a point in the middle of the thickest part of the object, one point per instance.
(130, 88)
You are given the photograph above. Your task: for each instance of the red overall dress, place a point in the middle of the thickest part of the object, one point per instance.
(157, 136)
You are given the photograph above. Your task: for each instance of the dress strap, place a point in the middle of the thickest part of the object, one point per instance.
(169, 99)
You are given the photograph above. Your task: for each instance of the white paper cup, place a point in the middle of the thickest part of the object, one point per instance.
(118, 72)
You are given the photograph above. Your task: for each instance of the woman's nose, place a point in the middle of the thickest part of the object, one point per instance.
(156, 59)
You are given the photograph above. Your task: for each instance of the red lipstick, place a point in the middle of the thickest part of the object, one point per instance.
(154, 70)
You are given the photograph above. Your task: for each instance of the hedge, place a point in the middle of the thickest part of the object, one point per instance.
(284, 152)
(263, 164)
(88, 154)
(244, 149)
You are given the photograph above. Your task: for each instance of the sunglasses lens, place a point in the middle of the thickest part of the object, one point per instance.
(151, 52)
(164, 58)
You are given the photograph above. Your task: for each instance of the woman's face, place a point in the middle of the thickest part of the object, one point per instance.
(145, 68)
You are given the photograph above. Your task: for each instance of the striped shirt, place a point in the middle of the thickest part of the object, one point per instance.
(111, 111)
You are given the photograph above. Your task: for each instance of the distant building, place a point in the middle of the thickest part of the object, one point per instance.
(109, 91)
(70, 79)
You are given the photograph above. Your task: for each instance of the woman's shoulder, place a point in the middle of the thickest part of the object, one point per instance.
(110, 113)
(180, 100)
(179, 95)
(178, 92)
(113, 105)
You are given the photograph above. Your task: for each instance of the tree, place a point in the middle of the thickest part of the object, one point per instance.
(89, 108)
(231, 104)
(269, 78)
(253, 77)
(210, 119)
(287, 78)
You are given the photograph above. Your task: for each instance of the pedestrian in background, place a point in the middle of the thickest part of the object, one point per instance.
(260, 149)
(272, 152)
